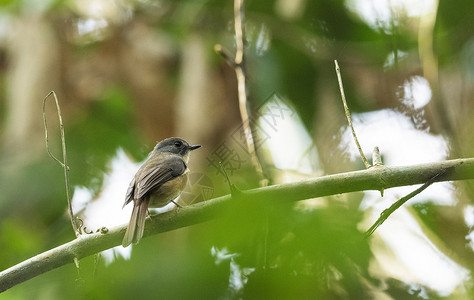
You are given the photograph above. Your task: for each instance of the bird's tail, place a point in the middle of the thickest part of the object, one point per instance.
(136, 225)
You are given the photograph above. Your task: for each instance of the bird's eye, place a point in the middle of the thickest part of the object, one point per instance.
(178, 144)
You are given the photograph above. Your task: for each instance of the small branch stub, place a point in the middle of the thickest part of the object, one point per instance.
(225, 54)
(376, 158)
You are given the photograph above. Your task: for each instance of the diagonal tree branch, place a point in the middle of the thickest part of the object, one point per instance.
(386, 213)
(376, 178)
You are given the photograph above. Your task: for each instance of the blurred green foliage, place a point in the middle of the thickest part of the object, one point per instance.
(98, 132)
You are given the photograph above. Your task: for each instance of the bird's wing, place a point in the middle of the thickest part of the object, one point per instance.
(156, 174)
(130, 192)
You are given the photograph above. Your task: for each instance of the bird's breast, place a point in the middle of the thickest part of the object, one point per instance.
(168, 191)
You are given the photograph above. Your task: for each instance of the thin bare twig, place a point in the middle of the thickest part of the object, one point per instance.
(239, 66)
(348, 114)
(225, 54)
(386, 213)
(64, 162)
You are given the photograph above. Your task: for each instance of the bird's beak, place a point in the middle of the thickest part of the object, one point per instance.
(194, 147)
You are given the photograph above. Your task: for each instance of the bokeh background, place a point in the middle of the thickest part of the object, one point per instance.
(129, 73)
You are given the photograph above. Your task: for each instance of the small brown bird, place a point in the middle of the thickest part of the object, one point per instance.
(159, 180)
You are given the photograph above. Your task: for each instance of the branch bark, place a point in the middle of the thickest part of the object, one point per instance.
(375, 178)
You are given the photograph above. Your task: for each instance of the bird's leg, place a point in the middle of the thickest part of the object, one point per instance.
(176, 203)
(178, 207)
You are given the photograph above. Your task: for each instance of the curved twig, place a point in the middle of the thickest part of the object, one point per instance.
(64, 162)
(239, 66)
